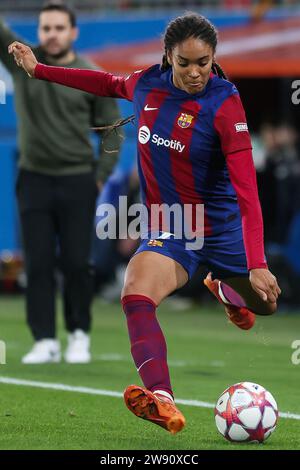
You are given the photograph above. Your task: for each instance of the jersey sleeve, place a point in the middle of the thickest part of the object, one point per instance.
(92, 81)
(231, 125)
(243, 177)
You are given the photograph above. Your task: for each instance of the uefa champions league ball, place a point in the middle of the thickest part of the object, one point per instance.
(246, 412)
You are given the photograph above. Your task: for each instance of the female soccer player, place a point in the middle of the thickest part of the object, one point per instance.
(193, 148)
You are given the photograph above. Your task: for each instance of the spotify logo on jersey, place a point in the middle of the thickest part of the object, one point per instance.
(144, 134)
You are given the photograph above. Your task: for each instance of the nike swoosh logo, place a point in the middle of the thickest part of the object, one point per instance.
(146, 108)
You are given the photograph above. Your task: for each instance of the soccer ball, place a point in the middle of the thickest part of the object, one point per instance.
(246, 412)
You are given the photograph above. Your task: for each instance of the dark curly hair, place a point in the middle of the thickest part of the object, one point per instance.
(191, 25)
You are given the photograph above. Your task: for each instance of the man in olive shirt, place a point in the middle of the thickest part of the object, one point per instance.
(57, 185)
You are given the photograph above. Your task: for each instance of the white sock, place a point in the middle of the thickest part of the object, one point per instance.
(164, 394)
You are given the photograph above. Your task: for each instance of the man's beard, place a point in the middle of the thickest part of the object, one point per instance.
(58, 55)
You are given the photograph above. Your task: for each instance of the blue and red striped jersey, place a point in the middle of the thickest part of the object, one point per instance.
(182, 143)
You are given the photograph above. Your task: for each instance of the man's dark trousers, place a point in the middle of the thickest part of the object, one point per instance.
(57, 215)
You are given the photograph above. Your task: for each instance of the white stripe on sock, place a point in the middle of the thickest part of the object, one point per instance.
(164, 393)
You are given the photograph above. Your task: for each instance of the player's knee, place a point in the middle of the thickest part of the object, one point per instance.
(131, 288)
(272, 308)
(268, 309)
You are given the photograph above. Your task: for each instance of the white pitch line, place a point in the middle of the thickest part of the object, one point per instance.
(110, 393)
(116, 357)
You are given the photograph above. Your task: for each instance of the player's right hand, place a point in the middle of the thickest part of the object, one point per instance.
(23, 56)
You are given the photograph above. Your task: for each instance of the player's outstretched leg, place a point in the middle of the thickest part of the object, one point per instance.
(157, 407)
(149, 278)
(237, 313)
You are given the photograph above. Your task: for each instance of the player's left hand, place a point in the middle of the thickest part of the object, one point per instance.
(265, 284)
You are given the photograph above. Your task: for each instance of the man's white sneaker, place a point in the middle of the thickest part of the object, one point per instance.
(42, 352)
(78, 350)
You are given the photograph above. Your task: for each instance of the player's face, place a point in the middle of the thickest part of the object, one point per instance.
(191, 62)
(56, 34)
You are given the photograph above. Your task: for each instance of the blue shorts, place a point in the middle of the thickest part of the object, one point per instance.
(223, 254)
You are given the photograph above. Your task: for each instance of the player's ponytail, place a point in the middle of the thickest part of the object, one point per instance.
(190, 25)
(217, 70)
(164, 63)
(113, 127)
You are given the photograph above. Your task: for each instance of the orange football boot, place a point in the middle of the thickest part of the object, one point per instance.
(240, 316)
(154, 407)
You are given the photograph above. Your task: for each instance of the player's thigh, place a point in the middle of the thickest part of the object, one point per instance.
(243, 287)
(153, 275)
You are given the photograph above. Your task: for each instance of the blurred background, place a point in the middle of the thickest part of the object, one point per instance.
(259, 45)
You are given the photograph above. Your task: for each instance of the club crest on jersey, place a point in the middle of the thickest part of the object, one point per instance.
(155, 243)
(185, 120)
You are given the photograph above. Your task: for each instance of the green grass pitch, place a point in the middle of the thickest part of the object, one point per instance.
(206, 355)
